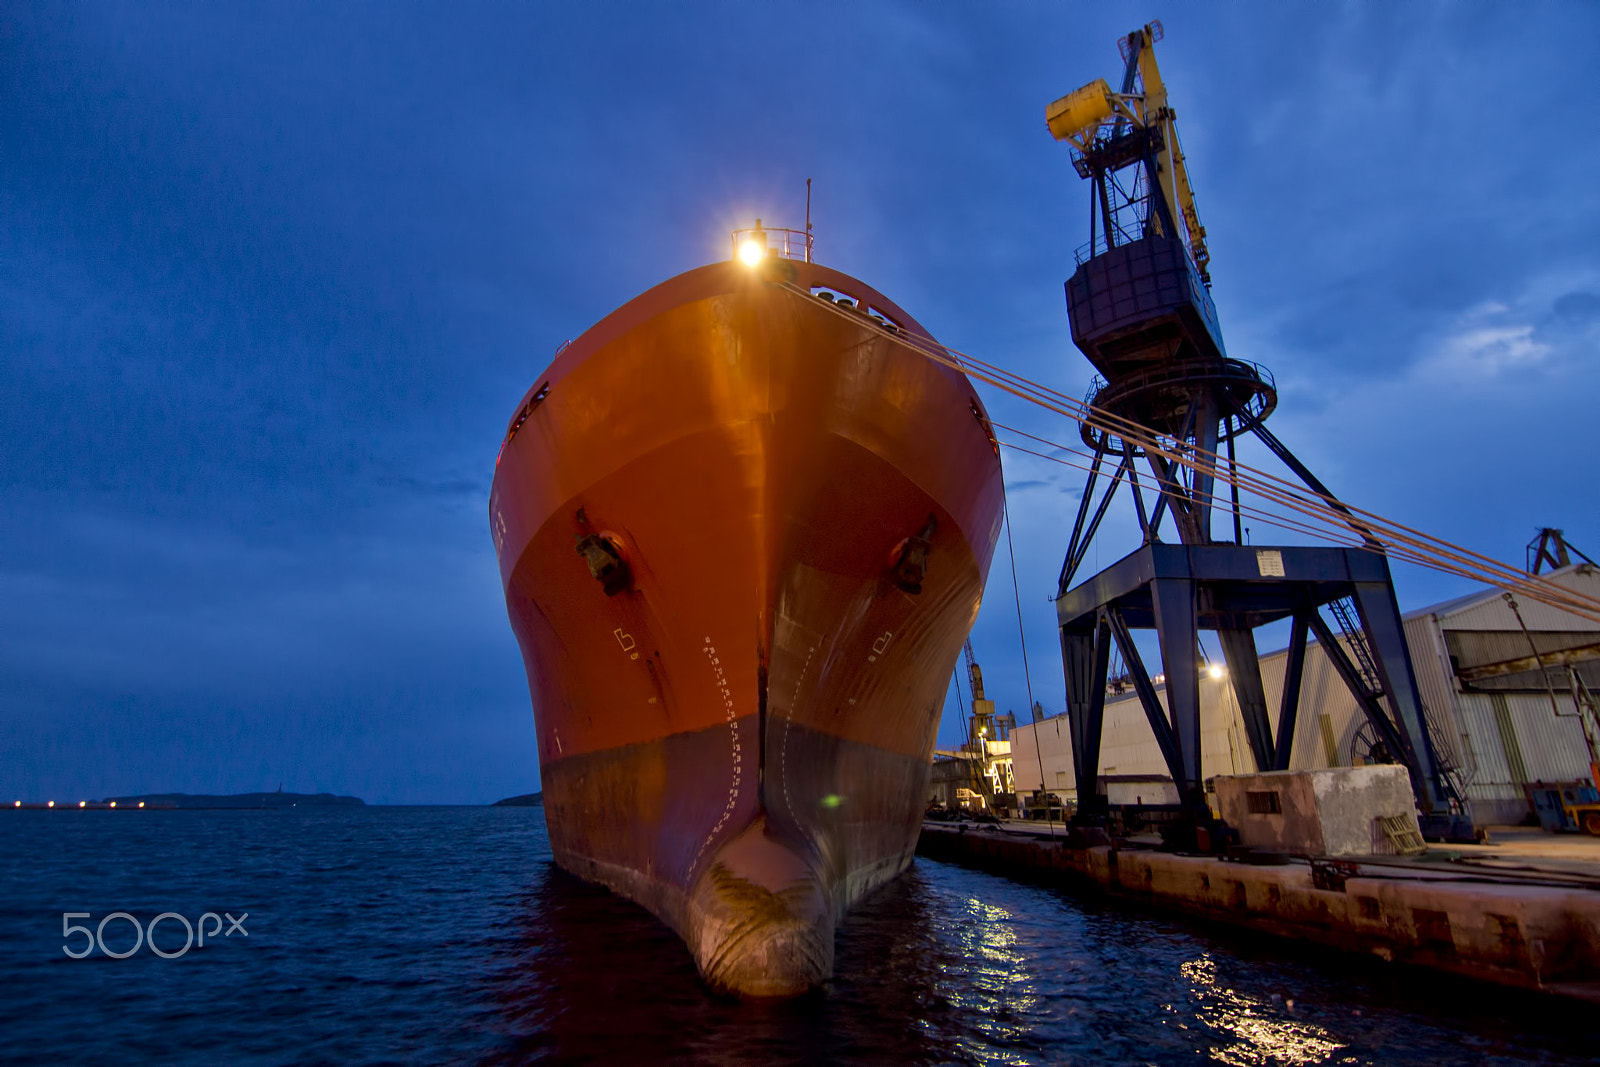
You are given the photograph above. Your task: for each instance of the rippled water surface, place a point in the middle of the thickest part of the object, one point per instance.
(433, 935)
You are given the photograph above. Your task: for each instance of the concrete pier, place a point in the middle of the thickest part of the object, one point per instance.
(1493, 917)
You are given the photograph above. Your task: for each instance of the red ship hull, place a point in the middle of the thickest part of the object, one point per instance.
(738, 736)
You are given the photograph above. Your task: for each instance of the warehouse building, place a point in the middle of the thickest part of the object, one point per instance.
(1506, 685)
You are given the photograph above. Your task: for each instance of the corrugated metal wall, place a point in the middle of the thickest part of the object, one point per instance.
(1501, 741)
(1515, 740)
(1512, 739)
(1491, 612)
(1053, 737)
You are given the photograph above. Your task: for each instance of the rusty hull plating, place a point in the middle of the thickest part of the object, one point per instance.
(743, 532)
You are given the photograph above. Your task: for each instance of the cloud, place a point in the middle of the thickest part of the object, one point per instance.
(1494, 341)
(1579, 307)
(1501, 339)
(272, 282)
(1487, 351)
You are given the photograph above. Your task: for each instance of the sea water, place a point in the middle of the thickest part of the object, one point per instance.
(446, 935)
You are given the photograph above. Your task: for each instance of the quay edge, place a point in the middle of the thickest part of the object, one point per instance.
(1535, 937)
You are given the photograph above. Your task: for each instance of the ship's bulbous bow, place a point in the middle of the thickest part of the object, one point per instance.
(761, 924)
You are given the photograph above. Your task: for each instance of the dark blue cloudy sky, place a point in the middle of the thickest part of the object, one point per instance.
(273, 277)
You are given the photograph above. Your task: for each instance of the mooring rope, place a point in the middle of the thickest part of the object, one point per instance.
(1341, 520)
(1027, 677)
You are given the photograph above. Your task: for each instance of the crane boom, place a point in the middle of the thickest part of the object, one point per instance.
(974, 672)
(1082, 118)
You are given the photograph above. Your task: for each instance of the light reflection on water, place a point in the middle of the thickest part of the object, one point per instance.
(1261, 1037)
(446, 935)
(994, 985)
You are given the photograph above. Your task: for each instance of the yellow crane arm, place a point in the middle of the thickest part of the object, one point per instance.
(1078, 117)
(1191, 216)
(1172, 173)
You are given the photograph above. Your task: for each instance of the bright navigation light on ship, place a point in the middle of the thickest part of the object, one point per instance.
(751, 252)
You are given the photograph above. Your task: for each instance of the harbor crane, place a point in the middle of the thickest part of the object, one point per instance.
(1168, 400)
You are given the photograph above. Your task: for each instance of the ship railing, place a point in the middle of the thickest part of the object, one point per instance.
(786, 244)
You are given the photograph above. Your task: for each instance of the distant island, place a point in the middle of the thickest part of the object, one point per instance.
(526, 800)
(280, 799)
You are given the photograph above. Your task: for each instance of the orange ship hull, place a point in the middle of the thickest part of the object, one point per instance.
(713, 513)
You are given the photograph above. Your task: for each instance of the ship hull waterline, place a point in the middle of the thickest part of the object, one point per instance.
(738, 737)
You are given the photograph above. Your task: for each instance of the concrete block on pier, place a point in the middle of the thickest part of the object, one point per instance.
(1333, 812)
